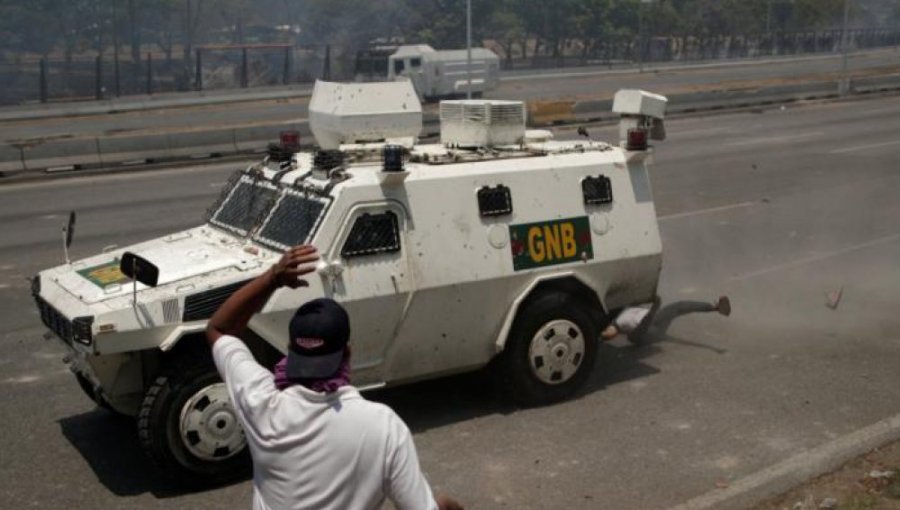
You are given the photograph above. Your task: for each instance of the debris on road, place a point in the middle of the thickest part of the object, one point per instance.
(828, 503)
(834, 298)
(876, 474)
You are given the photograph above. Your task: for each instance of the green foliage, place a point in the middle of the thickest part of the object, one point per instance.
(550, 27)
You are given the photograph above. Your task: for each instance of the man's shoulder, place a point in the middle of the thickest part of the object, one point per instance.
(351, 397)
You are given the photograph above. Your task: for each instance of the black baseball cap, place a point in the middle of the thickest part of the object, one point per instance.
(319, 333)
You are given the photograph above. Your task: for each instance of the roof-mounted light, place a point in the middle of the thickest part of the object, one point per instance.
(637, 139)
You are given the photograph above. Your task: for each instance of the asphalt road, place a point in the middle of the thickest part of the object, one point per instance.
(774, 209)
(567, 83)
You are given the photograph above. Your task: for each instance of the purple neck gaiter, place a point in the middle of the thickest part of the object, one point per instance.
(329, 385)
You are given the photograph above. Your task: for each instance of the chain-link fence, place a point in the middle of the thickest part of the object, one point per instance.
(222, 67)
(689, 47)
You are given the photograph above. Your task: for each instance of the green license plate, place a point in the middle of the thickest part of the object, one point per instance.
(549, 243)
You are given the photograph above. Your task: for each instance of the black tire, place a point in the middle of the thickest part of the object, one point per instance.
(88, 388)
(519, 375)
(159, 429)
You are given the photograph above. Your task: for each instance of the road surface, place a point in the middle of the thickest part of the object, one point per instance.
(775, 209)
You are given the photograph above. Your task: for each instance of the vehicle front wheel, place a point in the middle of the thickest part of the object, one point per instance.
(189, 428)
(550, 351)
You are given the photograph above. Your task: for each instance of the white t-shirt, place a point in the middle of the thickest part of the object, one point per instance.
(630, 319)
(320, 451)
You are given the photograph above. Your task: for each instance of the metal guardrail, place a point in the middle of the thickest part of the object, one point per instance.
(551, 113)
(94, 152)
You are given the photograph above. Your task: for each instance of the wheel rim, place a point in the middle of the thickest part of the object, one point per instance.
(556, 351)
(209, 427)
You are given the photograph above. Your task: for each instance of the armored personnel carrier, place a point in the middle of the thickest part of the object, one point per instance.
(496, 245)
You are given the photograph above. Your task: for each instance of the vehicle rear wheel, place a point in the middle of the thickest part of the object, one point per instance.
(189, 428)
(550, 351)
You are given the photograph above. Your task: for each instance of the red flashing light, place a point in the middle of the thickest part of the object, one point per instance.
(637, 140)
(290, 140)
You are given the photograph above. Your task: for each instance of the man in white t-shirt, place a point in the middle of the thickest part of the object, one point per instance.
(315, 442)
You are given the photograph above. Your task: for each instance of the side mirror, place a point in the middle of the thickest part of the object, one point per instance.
(139, 269)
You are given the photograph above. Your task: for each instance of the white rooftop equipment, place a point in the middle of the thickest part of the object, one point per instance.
(640, 110)
(364, 112)
(482, 123)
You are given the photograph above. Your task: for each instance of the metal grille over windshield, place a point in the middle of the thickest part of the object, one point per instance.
(246, 207)
(293, 221)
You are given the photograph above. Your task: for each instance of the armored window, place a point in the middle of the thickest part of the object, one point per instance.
(294, 220)
(415, 62)
(245, 206)
(398, 66)
(597, 190)
(496, 201)
(373, 234)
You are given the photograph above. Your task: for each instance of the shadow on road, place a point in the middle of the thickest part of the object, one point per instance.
(109, 444)
(449, 400)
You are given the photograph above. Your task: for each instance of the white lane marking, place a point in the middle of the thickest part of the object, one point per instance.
(775, 139)
(50, 217)
(865, 147)
(7, 267)
(705, 211)
(25, 379)
(693, 132)
(216, 184)
(5, 285)
(816, 258)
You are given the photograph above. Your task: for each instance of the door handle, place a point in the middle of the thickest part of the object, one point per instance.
(330, 270)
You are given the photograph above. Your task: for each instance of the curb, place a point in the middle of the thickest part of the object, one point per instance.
(662, 67)
(785, 475)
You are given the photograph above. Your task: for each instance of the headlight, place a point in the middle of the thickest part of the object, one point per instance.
(81, 330)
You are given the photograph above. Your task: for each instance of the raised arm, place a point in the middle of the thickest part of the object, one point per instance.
(232, 317)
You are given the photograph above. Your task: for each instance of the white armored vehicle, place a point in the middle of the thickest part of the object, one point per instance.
(496, 245)
(445, 73)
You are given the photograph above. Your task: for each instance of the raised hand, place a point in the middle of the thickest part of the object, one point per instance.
(296, 262)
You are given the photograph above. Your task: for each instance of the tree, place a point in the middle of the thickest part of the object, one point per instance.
(508, 28)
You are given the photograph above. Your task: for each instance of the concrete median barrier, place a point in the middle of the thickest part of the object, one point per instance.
(548, 113)
(201, 143)
(213, 141)
(10, 160)
(877, 84)
(61, 153)
(257, 138)
(120, 149)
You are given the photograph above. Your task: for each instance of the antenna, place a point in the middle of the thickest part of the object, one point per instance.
(68, 233)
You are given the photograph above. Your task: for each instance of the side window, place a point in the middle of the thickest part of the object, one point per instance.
(398, 66)
(371, 234)
(415, 62)
(496, 201)
(597, 190)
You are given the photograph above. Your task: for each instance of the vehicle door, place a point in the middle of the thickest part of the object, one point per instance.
(368, 273)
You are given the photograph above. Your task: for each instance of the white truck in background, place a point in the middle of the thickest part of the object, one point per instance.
(443, 73)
